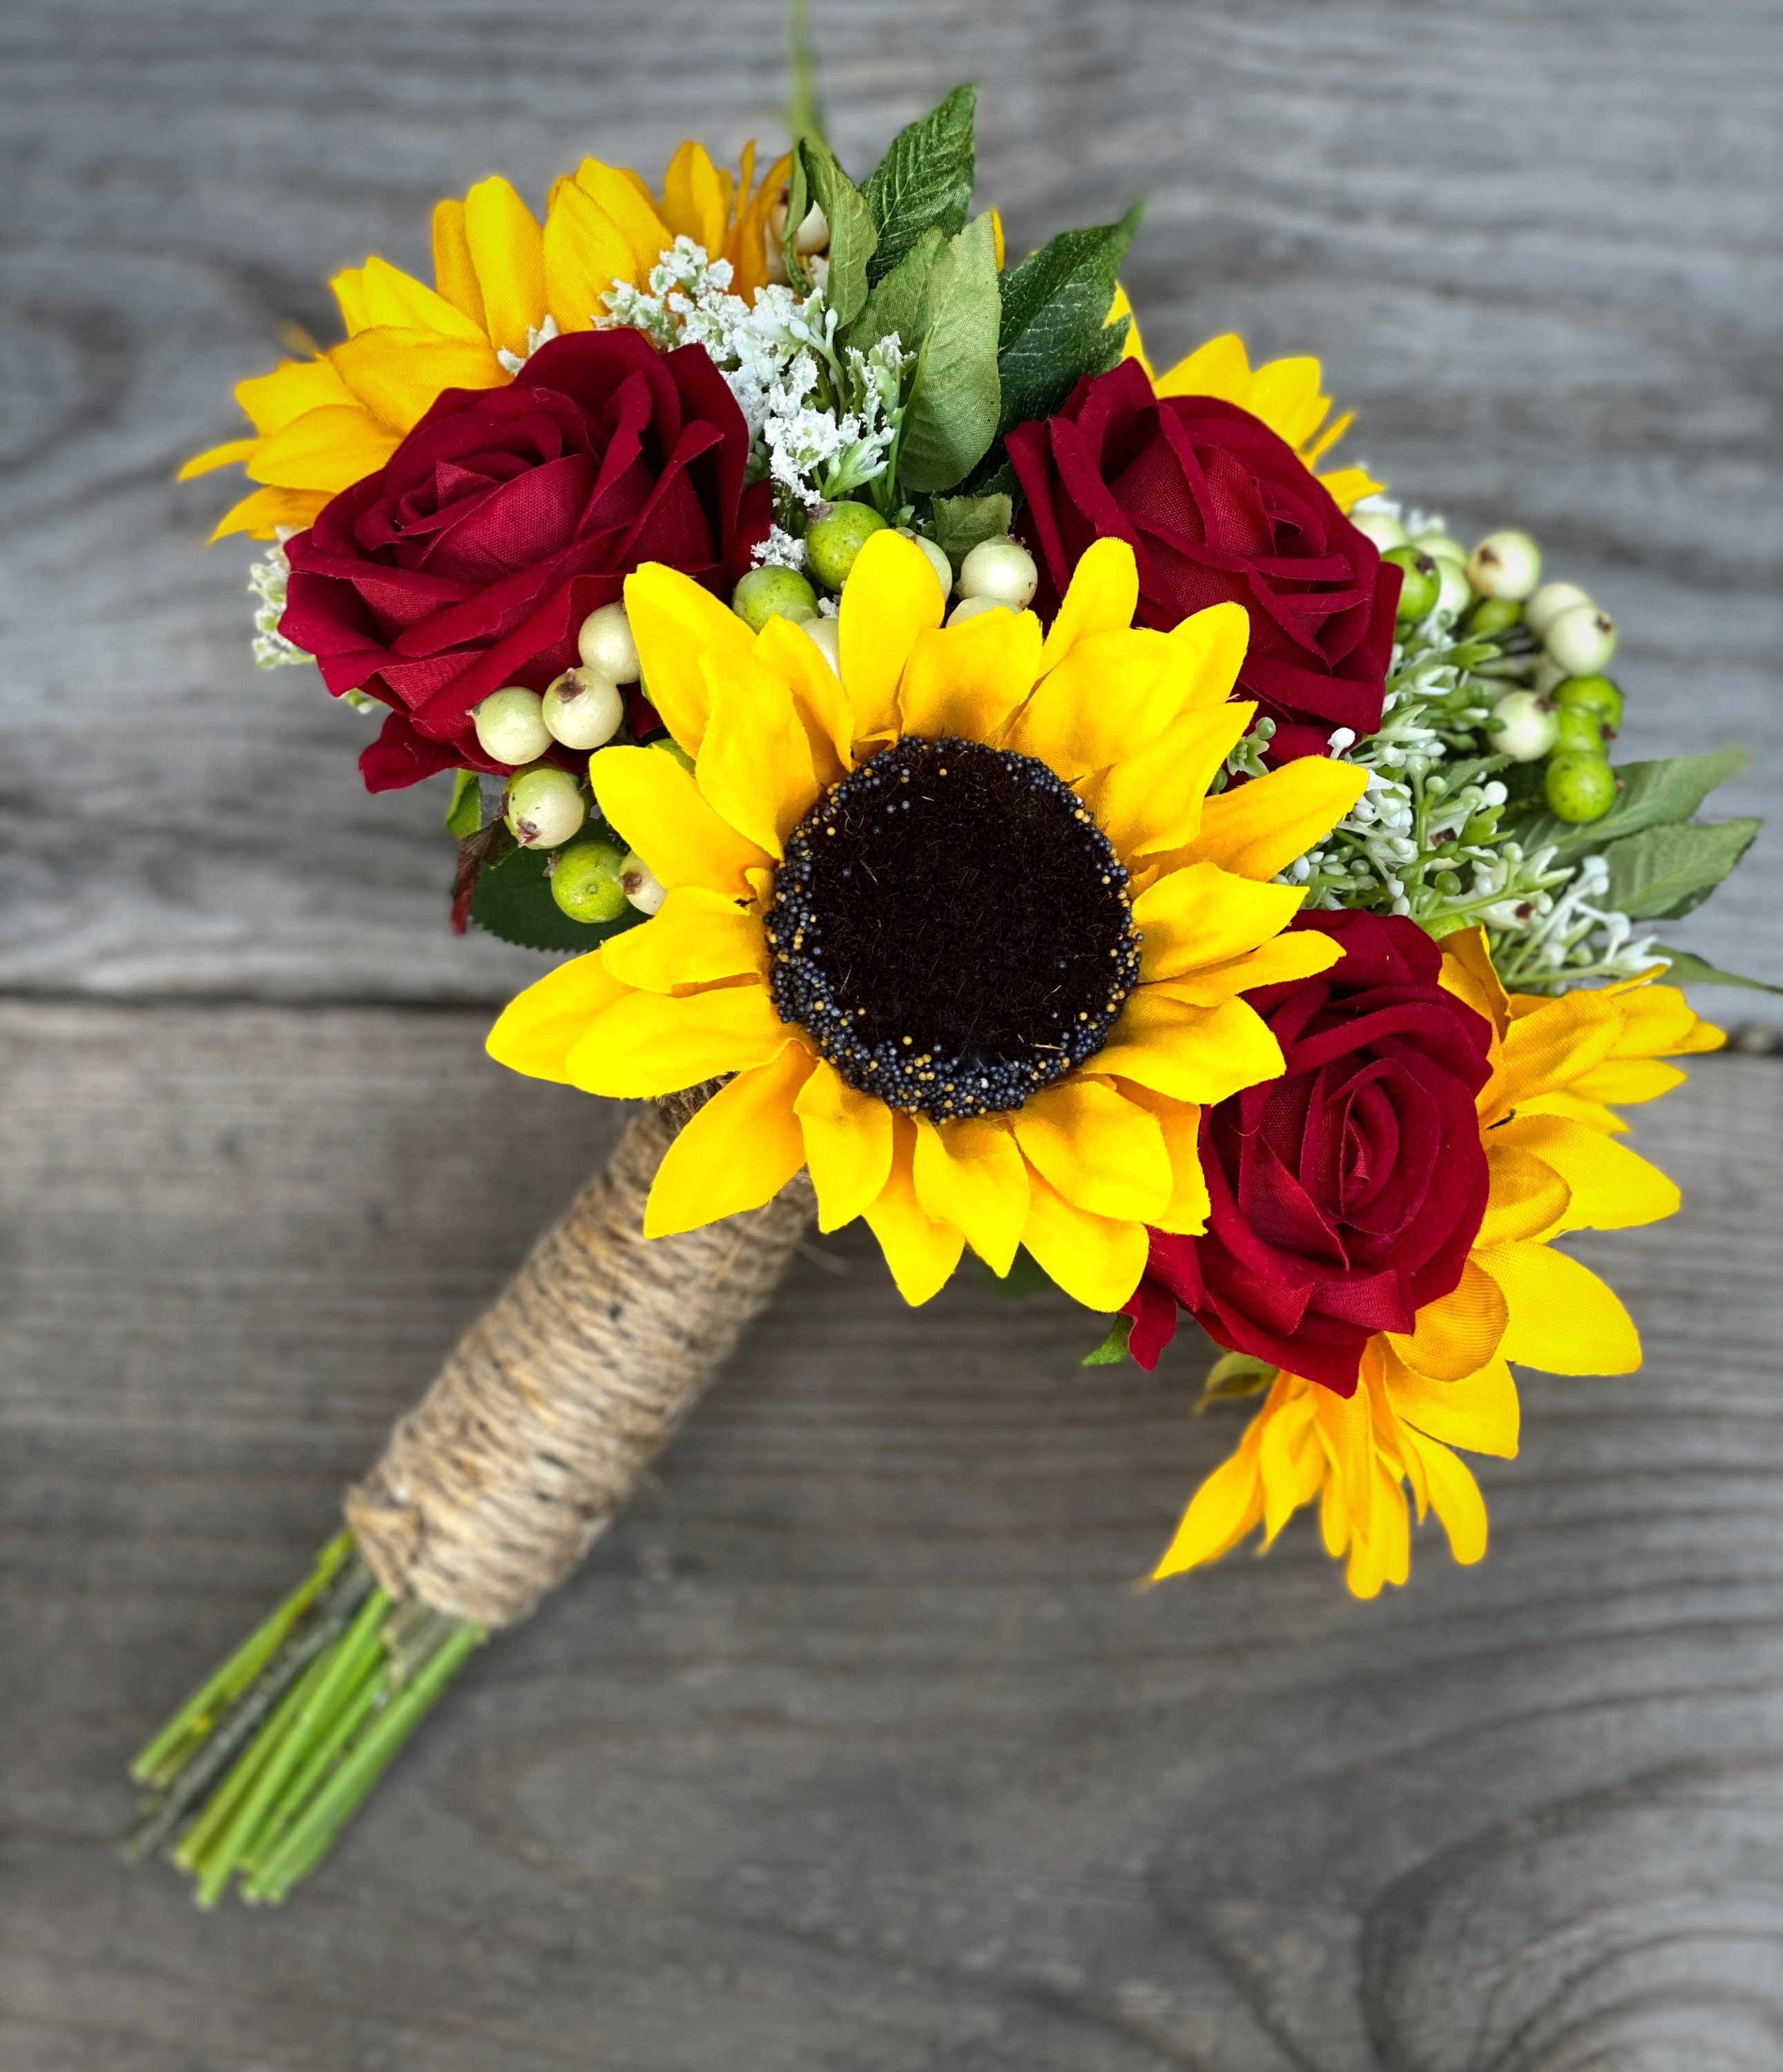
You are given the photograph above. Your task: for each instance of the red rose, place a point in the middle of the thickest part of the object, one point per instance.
(470, 559)
(1216, 506)
(1345, 1194)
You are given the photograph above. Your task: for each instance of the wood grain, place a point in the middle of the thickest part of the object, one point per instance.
(853, 1746)
(1534, 246)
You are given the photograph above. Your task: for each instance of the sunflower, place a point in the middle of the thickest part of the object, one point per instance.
(1288, 395)
(501, 280)
(962, 921)
(1550, 1135)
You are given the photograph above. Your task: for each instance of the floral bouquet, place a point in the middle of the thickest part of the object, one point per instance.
(983, 786)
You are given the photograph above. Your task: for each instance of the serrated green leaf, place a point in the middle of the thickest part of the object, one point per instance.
(924, 182)
(1113, 1348)
(1055, 309)
(1689, 969)
(1666, 871)
(853, 237)
(951, 417)
(464, 816)
(900, 303)
(513, 901)
(1649, 795)
(962, 522)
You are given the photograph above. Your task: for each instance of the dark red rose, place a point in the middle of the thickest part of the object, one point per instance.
(1345, 1194)
(470, 559)
(1216, 506)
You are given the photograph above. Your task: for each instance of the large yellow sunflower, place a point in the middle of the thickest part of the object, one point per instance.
(1549, 1140)
(1288, 395)
(322, 424)
(962, 921)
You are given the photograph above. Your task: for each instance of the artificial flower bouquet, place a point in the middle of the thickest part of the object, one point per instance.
(985, 786)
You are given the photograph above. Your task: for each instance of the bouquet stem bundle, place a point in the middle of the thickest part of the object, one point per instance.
(541, 1422)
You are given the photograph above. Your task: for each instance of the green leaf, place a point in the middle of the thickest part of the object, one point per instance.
(1055, 311)
(962, 522)
(513, 901)
(853, 237)
(924, 182)
(1666, 871)
(1649, 795)
(464, 816)
(1026, 1277)
(951, 417)
(1113, 1348)
(900, 303)
(1688, 969)
(1235, 1374)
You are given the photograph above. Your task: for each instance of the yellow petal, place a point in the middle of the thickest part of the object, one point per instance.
(1467, 972)
(970, 1174)
(656, 805)
(293, 389)
(1292, 1463)
(1611, 1187)
(1286, 395)
(508, 250)
(328, 450)
(1151, 802)
(695, 203)
(1345, 1424)
(1187, 1212)
(1527, 1196)
(1097, 1261)
(1111, 695)
(678, 625)
(1226, 1507)
(262, 514)
(1479, 1411)
(1571, 1103)
(696, 938)
(1457, 1333)
(1624, 1082)
(222, 456)
(848, 1146)
(1204, 915)
(349, 292)
(1563, 1319)
(1257, 830)
(818, 697)
(398, 299)
(1220, 369)
(1101, 1152)
(623, 199)
(1551, 1048)
(1102, 597)
(1347, 487)
(921, 1253)
(454, 271)
(754, 764)
(400, 375)
(1192, 1054)
(968, 680)
(891, 598)
(584, 255)
(1303, 954)
(737, 1153)
(536, 1031)
(1455, 1497)
(651, 1043)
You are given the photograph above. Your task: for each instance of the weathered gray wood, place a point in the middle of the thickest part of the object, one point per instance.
(853, 1746)
(1535, 247)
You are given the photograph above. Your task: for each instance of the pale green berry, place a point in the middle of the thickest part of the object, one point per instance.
(974, 607)
(510, 726)
(1381, 526)
(1440, 547)
(1505, 564)
(1422, 587)
(640, 885)
(1581, 639)
(1580, 787)
(607, 646)
(1522, 726)
(1494, 614)
(1597, 694)
(1454, 592)
(585, 881)
(1548, 603)
(836, 537)
(937, 560)
(826, 637)
(583, 709)
(545, 806)
(1546, 675)
(1578, 731)
(773, 593)
(1002, 571)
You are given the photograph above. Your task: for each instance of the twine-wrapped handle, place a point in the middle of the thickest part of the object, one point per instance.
(554, 1402)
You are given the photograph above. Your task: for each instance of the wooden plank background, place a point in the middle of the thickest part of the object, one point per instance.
(852, 1747)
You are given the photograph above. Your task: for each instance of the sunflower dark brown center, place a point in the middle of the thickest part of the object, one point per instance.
(951, 928)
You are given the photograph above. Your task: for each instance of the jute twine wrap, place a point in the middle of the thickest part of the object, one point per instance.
(555, 1401)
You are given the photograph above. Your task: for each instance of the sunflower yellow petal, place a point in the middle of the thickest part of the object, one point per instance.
(455, 270)
(657, 806)
(696, 938)
(1345, 1427)
(754, 765)
(1480, 1412)
(848, 1146)
(1527, 1196)
(1101, 597)
(1287, 395)
(921, 1253)
(1612, 1188)
(970, 1174)
(1220, 369)
(328, 450)
(1186, 1213)
(1097, 1260)
(651, 1043)
(1455, 1334)
(1227, 1505)
(294, 388)
(1292, 1463)
(212, 456)
(818, 697)
(400, 375)
(1257, 830)
(1455, 1497)
(1192, 1054)
(348, 289)
(584, 255)
(677, 626)
(536, 1031)
(737, 1153)
(1563, 1319)
(261, 514)
(399, 300)
(1100, 1151)
(1347, 487)
(1624, 1082)
(625, 203)
(1114, 694)
(1304, 953)
(891, 599)
(1468, 973)
(1151, 803)
(1205, 915)
(508, 250)
(694, 203)
(1571, 1103)
(968, 680)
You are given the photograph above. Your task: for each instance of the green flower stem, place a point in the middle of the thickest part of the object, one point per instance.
(373, 1691)
(219, 1811)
